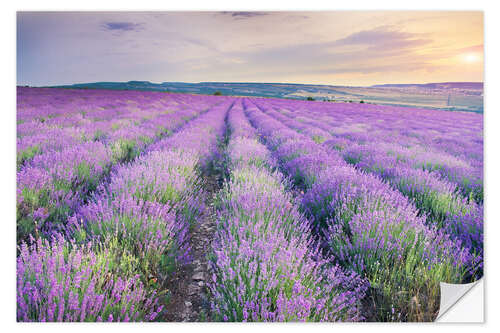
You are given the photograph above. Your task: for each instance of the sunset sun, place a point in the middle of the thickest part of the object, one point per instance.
(471, 58)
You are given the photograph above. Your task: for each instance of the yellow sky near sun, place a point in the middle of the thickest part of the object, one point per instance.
(454, 51)
(457, 48)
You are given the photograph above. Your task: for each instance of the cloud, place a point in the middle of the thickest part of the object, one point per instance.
(294, 17)
(122, 26)
(384, 37)
(476, 48)
(380, 42)
(380, 50)
(244, 15)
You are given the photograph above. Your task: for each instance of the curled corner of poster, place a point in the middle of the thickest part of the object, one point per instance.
(462, 303)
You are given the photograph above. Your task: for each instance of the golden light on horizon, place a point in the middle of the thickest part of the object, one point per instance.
(471, 58)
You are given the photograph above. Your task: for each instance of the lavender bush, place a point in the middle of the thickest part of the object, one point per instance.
(60, 166)
(61, 281)
(337, 195)
(415, 173)
(265, 262)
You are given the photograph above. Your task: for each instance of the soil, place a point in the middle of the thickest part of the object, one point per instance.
(189, 300)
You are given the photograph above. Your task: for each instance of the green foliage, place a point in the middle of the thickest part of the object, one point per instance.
(88, 180)
(33, 200)
(438, 205)
(27, 154)
(318, 139)
(400, 277)
(98, 135)
(162, 131)
(129, 255)
(119, 259)
(146, 140)
(124, 150)
(166, 194)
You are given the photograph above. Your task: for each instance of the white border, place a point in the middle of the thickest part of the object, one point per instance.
(468, 309)
(8, 93)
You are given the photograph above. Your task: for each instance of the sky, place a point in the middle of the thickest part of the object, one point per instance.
(354, 48)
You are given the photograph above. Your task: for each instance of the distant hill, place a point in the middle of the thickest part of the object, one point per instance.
(455, 96)
(280, 90)
(441, 85)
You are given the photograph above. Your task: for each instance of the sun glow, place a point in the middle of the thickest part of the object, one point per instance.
(471, 57)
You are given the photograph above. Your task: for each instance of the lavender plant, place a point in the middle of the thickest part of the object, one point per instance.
(412, 172)
(57, 174)
(61, 281)
(265, 262)
(336, 195)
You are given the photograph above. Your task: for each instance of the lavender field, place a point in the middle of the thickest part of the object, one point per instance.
(153, 206)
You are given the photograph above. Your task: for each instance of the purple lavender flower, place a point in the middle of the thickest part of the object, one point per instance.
(61, 281)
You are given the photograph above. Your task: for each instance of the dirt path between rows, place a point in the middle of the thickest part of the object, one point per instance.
(189, 300)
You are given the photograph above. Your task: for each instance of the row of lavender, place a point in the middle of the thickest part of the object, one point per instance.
(69, 117)
(121, 245)
(266, 265)
(424, 176)
(449, 143)
(367, 226)
(63, 165)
